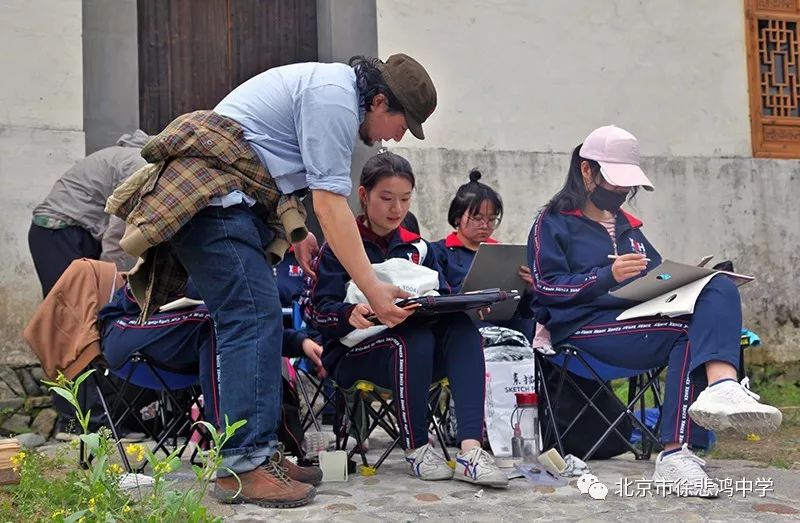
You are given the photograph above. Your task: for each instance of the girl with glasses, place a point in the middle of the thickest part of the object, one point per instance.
(475, 213)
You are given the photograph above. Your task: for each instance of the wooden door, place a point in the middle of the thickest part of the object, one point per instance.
(193, 52)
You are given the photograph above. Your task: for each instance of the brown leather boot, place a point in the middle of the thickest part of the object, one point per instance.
(311, 475)
(265, 486)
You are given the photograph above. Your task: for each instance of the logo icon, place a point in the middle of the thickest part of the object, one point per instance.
(413, 257)
(589, 484)
(638, 247)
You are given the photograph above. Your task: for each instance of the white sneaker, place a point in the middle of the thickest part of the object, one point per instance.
(425, 463)
(681, 473)
(477, 466)
(729, 404)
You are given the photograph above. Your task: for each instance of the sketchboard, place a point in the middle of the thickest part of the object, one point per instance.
(671, 289)
(495, 266)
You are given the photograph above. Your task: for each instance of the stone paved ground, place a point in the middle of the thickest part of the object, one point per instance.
(392, 495)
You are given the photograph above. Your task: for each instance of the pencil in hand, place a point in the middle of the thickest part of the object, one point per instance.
(615, 256)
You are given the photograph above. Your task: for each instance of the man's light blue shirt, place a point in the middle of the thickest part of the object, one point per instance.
(302, 120)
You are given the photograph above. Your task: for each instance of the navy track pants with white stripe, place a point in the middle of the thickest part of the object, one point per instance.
(410, 357)
(685, 344)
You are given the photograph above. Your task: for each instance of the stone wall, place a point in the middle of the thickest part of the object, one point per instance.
(25, 405)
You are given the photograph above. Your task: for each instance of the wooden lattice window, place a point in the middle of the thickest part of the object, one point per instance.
(773, 60)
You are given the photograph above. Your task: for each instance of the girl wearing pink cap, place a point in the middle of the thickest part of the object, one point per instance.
(568, 253)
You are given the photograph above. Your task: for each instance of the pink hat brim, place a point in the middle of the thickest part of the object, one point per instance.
(625, 175)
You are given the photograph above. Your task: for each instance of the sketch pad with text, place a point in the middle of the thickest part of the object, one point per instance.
(495, 266)
(671, 289)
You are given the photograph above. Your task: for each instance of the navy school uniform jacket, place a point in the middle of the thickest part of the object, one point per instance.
(123, 305)
(568, 257)
(324, 307)
(289, 279)
(455, 260)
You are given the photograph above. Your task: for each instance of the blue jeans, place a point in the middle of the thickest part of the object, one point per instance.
(222, 250)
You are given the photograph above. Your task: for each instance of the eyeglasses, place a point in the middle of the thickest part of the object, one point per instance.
(490, 222)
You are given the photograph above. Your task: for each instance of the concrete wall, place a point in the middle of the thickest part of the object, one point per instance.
(110, 71)
(41, 135)
(516, 75)
(347, 28)
(521, 83)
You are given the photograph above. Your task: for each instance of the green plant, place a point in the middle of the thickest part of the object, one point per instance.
(51, 491)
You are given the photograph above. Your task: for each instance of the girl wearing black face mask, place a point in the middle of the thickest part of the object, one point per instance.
(569, 250)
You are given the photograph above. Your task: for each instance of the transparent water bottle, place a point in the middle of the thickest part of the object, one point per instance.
(525, 421)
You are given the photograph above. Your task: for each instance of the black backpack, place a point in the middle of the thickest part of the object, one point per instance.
(590, 426)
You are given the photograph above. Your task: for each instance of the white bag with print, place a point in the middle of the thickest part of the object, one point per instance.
(417, 280)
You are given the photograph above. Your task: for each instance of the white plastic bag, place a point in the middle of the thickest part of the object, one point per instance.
(503, 380)
(418, 280)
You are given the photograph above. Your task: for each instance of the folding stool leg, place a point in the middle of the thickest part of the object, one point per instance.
(83, 454)
(654, 385)
(181, 418)
(311, 415)
(437, 420)
(379, 418)
(541, 385)
(565, 377)
(309, 405)
(340, 419)
(612, 425)
(636, 383)
(352, 413)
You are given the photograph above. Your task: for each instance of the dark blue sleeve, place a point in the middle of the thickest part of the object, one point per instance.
(525, 307)
(289, 279)
(431, 261)
(293, 343)
(553, 283)
(325, 309)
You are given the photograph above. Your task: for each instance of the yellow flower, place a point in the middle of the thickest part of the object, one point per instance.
(115, 468)
(162, 467)
(135, 449)
(126, 509)
(58, 514)
(92, 502)
(17, 460)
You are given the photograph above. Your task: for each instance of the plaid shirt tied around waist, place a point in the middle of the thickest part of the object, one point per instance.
(199, 156)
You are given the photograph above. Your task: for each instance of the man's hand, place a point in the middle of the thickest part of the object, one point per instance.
(358, 316)
(524, 274)
(305, 252)
(381, 297)
(313, 352)
(628, 266)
